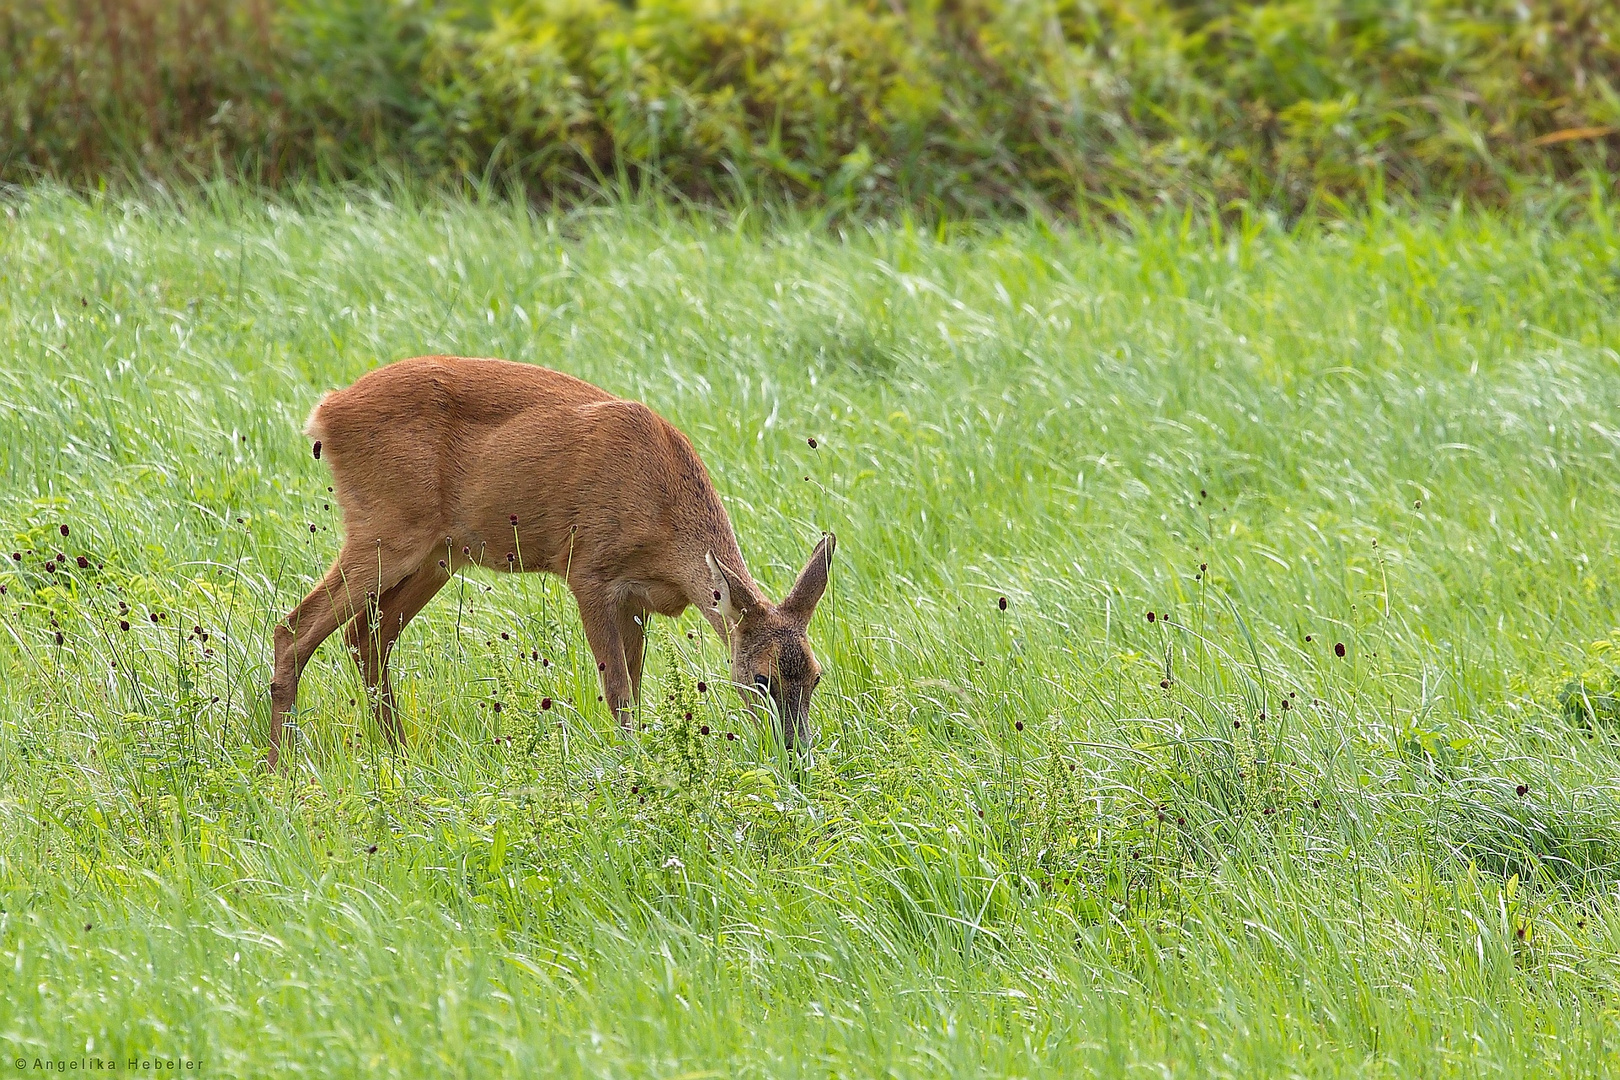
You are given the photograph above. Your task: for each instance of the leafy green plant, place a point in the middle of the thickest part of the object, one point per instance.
(1061, 106)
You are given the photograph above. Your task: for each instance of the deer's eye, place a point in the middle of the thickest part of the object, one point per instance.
(763, 682)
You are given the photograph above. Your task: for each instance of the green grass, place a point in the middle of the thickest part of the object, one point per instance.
(1396, 435)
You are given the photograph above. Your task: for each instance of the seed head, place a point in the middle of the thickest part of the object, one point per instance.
(1018, 725)
(704, 730)
(1307, 639)
(812, 442)
(1338, 648)
(123, 624)
(317, 449)
(513, 519)
(731, 736)
(505, 636)
(1520, 791)
(545, 704)
(372, 850)
(84, 563)
(1151, 616)
(64, 529)
(1002, 603)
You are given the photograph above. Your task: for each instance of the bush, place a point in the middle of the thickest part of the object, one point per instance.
(957, 106)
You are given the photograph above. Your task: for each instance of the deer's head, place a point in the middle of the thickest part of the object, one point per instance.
(772, 666)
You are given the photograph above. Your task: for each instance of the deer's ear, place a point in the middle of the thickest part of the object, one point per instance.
(802, 599)
(732, 595)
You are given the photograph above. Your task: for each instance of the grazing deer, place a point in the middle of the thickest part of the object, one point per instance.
(442, 462)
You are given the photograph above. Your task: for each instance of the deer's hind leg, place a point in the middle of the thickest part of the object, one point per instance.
(358, 575)
(377, 626)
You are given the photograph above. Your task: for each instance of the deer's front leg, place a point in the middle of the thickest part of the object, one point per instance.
(633, 632)
(602, 633)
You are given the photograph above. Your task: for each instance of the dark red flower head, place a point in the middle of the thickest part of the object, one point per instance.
(1338, 648)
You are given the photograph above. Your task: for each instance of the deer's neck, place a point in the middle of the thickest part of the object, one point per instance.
(698, 580)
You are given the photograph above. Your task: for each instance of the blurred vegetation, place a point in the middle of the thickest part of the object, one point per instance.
(948, 106)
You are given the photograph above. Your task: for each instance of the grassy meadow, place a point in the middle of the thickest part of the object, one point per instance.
(1293, 749)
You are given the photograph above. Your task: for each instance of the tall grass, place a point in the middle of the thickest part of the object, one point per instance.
(1145, 816)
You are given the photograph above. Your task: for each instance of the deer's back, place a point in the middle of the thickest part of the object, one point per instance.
(446, 450)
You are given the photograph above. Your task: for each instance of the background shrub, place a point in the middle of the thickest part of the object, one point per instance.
(955, 106)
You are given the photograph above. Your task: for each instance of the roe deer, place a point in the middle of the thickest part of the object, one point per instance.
(441, 462)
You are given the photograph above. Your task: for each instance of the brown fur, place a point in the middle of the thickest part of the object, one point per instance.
(432, 457)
